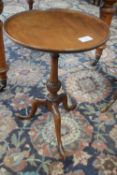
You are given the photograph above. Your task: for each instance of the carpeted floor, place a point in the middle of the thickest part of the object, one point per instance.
(29, 147)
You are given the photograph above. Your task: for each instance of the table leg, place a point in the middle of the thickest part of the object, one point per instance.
(63, 100)
(52, 102)
(3, 66)
(106, 14)
(30, 2)
(35, 104)
(57, 122)
(53, 86)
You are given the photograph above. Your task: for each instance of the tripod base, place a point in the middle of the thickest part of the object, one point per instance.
(52, 102)
(52, 105)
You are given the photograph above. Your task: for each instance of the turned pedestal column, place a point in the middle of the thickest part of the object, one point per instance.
(3, 66)
(106, 13)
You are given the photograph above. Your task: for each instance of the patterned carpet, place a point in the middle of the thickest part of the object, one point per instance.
(29, 147)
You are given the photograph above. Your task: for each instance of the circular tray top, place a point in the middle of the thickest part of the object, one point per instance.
(57, 30)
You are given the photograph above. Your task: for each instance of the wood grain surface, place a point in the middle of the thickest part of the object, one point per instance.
(56, 30)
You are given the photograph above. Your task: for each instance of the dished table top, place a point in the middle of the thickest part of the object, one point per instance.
(57, 30)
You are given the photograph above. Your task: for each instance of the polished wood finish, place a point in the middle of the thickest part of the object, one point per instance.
(30, 3)
(3, 66)
(55, 31)
(97, 2)
(106, 14)
(52, 102)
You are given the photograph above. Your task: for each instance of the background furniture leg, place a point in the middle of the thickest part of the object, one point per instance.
(3, 65)
(106, 14)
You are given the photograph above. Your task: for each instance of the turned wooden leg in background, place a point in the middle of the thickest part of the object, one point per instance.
(106, 108)
(35, 105)
(53, 86)
(3, 66)
(30, 3)
(106, 14)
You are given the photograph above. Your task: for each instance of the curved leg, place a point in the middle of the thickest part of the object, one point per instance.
(35, 105)
(3, 65)
(106, 108)
(64, 100)
(57, 122)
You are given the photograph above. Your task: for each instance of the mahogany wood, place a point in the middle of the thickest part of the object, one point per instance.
(55, 31)
(97, 2)
(52, 102)
(60, 32)
(106, 14)
(3, 66)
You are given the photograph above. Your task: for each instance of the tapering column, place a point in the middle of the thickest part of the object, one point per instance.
(106, 13)
(3, 66)
(30, 2)
(53, 83)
